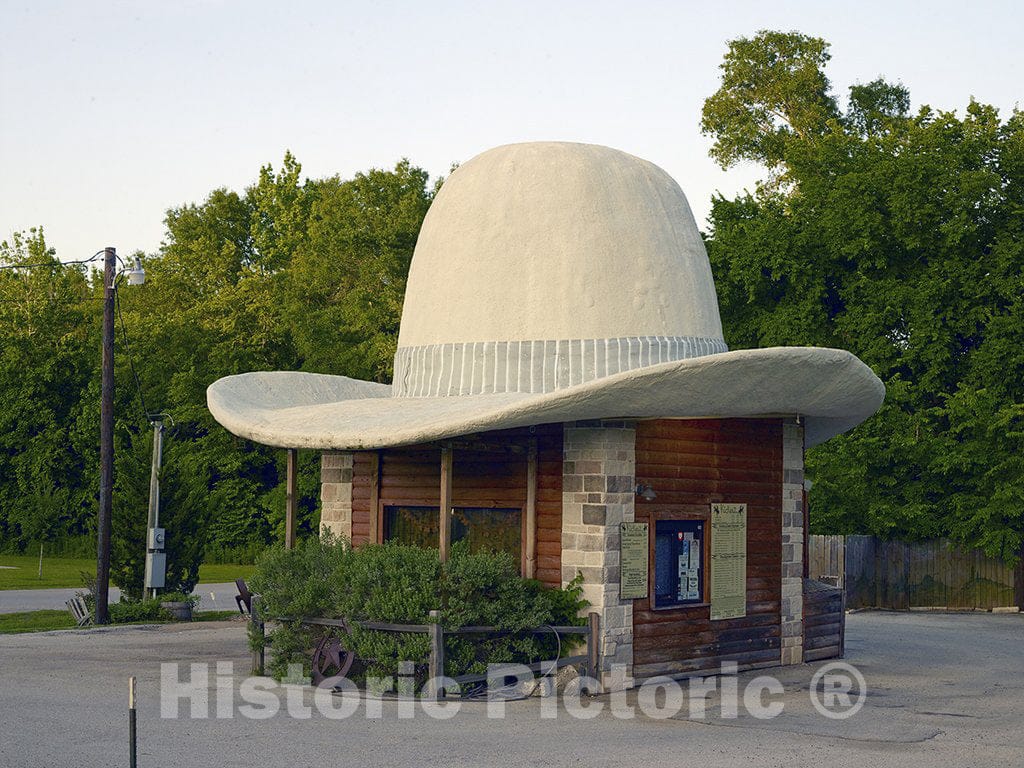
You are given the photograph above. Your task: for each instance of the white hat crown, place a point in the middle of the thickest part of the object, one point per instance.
(545, 265)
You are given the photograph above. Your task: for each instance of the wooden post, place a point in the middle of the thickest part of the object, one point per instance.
(445, 507)
(376, 534)
(593, 644)
(1018, 581)
(259, 628)
(531, 511)
(807, 533)
(842, 624)
(103, 523)
(291, 500)
(435, 670)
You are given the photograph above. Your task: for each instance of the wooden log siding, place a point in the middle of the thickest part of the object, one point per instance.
(691, 464)
(824, 621)
(489, 472)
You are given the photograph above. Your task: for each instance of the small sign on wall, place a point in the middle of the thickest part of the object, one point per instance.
(728, 561)
(634, 549)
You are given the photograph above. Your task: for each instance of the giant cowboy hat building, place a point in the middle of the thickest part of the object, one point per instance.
(562, 390)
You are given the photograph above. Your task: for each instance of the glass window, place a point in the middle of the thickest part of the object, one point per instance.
(499, 530)
(416, 526)
(678, 562)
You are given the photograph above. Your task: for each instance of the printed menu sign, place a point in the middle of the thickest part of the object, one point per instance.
(728, 561)
(633, 554)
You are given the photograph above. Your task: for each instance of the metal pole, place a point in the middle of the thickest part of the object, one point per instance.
(132, 734)
(106, 441)
(154, 482)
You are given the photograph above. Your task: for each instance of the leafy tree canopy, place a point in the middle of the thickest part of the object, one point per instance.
(291, 274)
(899, 237)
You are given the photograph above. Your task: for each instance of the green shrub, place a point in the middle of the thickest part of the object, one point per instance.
(400, 584)
(127, 611)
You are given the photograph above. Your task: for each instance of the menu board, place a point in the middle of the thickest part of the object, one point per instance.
(633, 556)
(728, 561)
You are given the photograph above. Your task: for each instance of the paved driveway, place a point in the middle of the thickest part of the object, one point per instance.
(943, 690)
(214, 597)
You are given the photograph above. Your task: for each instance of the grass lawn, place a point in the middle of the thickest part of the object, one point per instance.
(66, 572)
(43, 621)
(34, 621)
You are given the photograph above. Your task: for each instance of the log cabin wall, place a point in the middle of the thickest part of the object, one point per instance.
(691, 464)
(488, 470)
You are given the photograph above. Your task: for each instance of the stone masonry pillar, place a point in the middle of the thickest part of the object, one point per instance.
(598, 481)
(336, 494)
(792, 543)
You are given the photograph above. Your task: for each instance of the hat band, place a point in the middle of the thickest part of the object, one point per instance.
(488, 367)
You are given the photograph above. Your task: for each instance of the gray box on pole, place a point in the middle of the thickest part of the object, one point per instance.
(156, 569)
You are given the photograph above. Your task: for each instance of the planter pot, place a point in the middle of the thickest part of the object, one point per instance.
(178, 611)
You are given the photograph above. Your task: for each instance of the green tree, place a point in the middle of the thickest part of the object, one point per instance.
(898, 237)
(48, 354)
(291, 274)
(773, 92)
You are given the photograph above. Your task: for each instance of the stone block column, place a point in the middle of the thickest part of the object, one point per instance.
(792, 543)
(598, 481)
(336, 494)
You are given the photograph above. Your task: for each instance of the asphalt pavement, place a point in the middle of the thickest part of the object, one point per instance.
(941, 690)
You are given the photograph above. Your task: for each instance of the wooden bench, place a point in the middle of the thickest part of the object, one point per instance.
(80, 611)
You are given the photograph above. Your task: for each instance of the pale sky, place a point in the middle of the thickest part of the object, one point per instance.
(113, 112)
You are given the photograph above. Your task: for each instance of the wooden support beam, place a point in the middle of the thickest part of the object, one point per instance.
(376, 528)
(594, 645)
(291, 499)
(530, 571)
(445, 507)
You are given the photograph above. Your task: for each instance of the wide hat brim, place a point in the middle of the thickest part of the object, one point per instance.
(830, 389)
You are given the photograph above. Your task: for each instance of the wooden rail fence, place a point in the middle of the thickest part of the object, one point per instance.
(903, 575)
(590, 633)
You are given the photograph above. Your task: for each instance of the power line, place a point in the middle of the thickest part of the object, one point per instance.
(53, 265)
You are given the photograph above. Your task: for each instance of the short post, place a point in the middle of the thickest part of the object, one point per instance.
(593, 642)
(258, 628)
(435, 669)
(132, 751)
(1018, 580)
(842, 624)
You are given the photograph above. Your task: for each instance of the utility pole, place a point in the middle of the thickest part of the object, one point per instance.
(106, 441)
(156, 558)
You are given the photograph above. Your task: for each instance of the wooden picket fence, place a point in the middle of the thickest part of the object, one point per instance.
(902, 575)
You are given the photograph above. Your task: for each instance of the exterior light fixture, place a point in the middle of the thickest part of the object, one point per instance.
(136, 275)
(646, 492)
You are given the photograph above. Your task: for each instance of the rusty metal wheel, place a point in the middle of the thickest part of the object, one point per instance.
(330, 658)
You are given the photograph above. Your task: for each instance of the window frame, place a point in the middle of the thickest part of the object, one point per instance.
(680, 513)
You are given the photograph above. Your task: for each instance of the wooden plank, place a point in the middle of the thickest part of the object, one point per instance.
(291, 503)
(820, 654)
(530, 570)
(445, 507)
(768, 656)
(375, 532)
